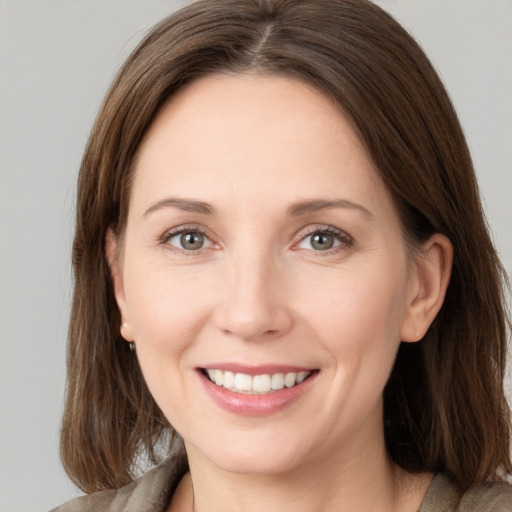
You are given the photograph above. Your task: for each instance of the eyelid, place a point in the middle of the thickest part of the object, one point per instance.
(186, 228)
(342, 236)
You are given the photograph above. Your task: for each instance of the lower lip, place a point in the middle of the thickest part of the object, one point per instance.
(255, 405)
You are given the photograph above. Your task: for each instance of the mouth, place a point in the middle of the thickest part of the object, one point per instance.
(256, 390)
(262, 384)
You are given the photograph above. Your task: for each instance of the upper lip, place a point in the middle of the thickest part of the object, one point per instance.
(269, 369)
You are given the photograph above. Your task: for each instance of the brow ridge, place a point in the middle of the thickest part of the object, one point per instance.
(188, 205)
(314, 205)
(295, 210)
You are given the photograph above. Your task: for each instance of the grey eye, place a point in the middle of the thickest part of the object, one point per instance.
(191, 241)
(322, 241)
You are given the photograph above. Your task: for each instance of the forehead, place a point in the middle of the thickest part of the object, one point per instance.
(251, 135)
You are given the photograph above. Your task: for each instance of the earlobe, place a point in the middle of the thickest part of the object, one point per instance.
(111, 250)
(429, 282)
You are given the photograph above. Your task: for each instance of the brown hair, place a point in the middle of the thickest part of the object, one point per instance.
(444, 405)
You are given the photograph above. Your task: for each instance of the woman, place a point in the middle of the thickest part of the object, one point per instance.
(284, 283)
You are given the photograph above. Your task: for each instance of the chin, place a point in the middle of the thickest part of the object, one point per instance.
(252, 458)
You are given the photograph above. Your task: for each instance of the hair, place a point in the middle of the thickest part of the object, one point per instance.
(444, 405)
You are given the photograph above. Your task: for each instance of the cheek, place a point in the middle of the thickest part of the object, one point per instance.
(356, 319)
(357, 314)
(167, 307)
(367, 300)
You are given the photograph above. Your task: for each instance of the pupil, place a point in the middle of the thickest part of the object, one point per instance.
(322, 241)
(192, 241)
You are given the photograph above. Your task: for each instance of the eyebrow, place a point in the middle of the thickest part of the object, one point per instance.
(314, 205)
(295, 210)
(187, 205)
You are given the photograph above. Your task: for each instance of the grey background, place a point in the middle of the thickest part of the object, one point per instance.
(57, 58)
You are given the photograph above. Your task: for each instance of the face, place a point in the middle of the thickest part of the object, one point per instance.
(263, 275)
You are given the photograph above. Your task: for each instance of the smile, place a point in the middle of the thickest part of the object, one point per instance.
(255, 384)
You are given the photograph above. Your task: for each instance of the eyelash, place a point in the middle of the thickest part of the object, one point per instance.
(180, 231)
(344, 239)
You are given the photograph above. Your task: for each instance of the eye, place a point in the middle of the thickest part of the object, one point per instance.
(324, 240)
(188, 240)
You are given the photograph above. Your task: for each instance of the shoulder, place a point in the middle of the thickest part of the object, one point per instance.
(150, 493)
(491, 497)
(442, 496)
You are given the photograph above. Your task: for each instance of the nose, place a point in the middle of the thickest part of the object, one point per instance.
(254, 304)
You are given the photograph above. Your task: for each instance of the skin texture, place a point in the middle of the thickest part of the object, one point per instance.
(258, 292)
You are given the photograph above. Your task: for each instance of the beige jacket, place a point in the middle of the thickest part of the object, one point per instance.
(153, 491)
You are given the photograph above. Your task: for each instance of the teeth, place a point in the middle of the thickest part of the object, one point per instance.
(301, 376)
(277, 381)
(261, 383)
(243, 382)
(289, 379)
(229, 380)
(218, 378)
(257, 384)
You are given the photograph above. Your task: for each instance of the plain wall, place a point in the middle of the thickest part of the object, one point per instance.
(57, 58)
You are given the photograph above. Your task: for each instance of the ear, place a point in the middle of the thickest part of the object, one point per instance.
(112, 253)
(430, 275)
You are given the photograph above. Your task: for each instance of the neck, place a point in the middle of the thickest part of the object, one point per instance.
(361, 478)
